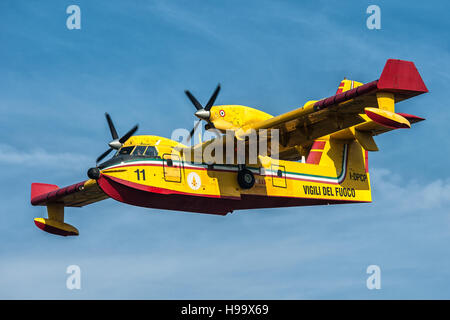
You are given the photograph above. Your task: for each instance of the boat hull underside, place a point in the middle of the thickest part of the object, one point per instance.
(202, 204)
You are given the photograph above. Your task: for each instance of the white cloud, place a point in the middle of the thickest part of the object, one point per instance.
(406, 194)
(40, 157)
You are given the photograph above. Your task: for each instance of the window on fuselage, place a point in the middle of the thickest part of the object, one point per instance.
(139, 150)
(151, 152)
(125, 150)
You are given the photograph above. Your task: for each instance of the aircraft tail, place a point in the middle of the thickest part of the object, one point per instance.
(350, 162)
(347, 85)
(399, 80)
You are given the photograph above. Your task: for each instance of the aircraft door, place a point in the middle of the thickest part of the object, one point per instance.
(172, 167)
(278, 176)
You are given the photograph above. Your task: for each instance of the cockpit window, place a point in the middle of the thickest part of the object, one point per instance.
(151, 152)
(126, 150)
(139, 150)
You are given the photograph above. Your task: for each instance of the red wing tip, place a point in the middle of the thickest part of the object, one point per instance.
(38, 189)
(401, 75)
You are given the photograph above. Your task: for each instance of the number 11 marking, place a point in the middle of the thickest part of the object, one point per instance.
(139, 174)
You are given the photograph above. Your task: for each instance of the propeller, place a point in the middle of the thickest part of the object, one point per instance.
(117, 142)
(203, 113)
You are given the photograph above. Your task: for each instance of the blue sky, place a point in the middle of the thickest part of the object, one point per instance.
(134, 59)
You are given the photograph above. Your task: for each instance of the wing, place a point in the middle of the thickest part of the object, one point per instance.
(359, 113)
(55, 199)
(317, 119)
(75, 195)
(399, 80)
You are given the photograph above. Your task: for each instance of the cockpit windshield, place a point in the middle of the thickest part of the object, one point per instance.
(139, 151)
(125, 150)
(151, 152)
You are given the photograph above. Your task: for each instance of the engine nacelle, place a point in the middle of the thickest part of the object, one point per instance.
(233, 117)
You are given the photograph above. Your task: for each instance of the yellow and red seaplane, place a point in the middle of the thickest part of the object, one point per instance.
(315, 155)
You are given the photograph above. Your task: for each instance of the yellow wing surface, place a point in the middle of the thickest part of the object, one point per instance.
(357, 111)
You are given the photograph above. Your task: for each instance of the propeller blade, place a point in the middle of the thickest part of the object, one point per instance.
(104, 154)
(213, 98)
(193, 130)
(194, 101)
(111, 127)
(128, 134)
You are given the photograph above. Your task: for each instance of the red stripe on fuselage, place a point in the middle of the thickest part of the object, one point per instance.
(146, 188)
(158, 198)
(201, 204)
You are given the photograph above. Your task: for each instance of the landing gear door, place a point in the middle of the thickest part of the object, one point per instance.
(278, 176)
(172, 167)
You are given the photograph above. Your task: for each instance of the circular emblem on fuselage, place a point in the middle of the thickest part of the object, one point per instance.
(222, 113)
(194, 180)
